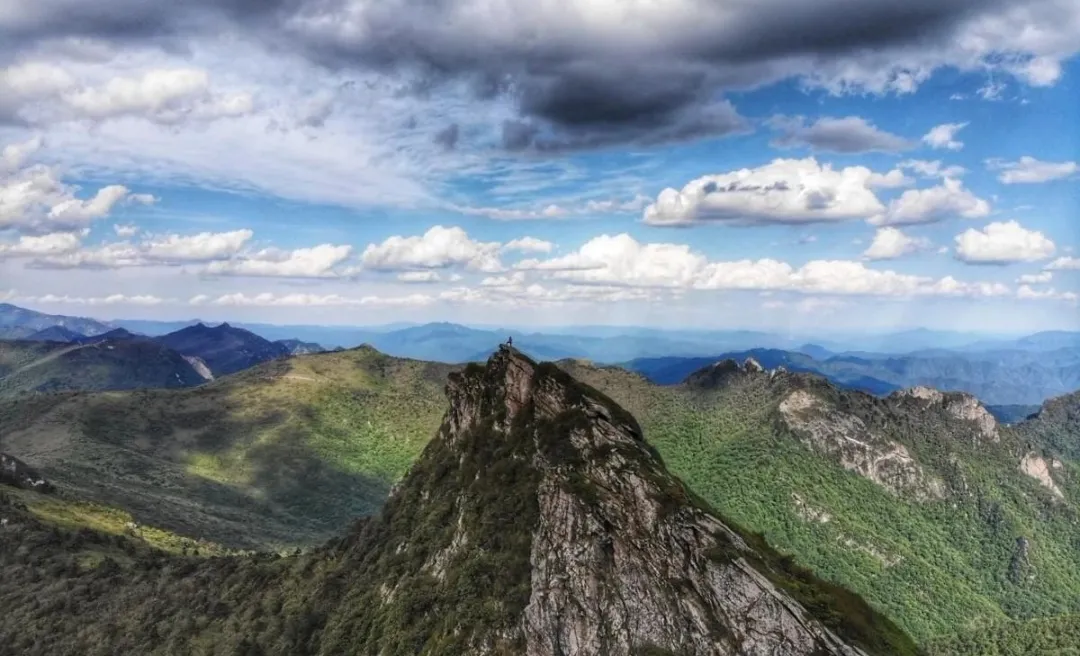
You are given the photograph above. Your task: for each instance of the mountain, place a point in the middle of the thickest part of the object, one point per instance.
(223, 348)
(55, 334)
(18, 323)
(535, 522)
(1007, 377)
(919, 501)
(280, 455)
(15, 473)
(296, 347)
(93, 363)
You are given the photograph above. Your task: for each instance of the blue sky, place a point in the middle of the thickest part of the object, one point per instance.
(862, 183)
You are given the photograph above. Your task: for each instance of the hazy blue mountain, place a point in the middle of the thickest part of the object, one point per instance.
(18, 323)
(297, 347)
(999, 378)
(223, 348)
(55, 334)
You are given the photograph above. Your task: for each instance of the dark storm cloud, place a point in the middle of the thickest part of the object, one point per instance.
(577, 84)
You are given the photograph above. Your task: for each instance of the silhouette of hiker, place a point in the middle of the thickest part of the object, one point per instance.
(510, 341)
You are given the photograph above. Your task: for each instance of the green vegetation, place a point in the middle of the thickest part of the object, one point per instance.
(1052, 636)
(933, 566)
(281, 455)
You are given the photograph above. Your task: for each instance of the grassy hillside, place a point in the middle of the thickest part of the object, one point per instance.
(30, 366)
(279, 455)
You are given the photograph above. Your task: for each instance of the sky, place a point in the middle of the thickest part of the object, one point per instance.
(785, 165)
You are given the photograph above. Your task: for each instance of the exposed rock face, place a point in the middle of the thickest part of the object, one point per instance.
(620, 557)
(959, 405)
(16, 473)
(1038, 468)
(199, 366)
(857, 447)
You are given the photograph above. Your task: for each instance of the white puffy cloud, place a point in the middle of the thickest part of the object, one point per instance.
(438, 248)
(111, 299)
(105, 256)
(890, 243)
(529, 245)
(550, 211)
(1064, 263)
(56, 243)
(314, 262)
(419, 277)
(1040, 278)
(944, 136)
(1003, 243)
(33, 198)
(42, 92)
(947, 200)
(622, 260)
(200, 247)
(783, 191)
(850, 134)
(1028, 170)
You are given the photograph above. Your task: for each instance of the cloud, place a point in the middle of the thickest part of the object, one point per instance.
(945, 201)
(125, 231)
(529, 245)
(42, 93)
(52, 244)
(1025, 292)
(1040, 278)
(437, 248)
(448, 136)
(111, 299)
(419, 277)
(201, 247)
(314, 262)
(33, 198)
(268, 299)
(589, 74)
(783, 191)
(1028, 170)
(621, 260)
(1003, 243)
(944, 136)
(1065, 263)
(932, 168)
(890, 243)
(851, 134)
(557, 211)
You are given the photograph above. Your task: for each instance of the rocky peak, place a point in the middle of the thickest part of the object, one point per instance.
(16, 473)
(586, 544)
(959, 405)
(722, 373)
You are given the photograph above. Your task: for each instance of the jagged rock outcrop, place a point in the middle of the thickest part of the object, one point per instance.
(857, 446)
(612, 555)
(16, 473)
(959, 405)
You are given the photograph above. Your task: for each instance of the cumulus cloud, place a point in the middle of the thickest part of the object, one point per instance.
(438, 248)
(622, 260)
(33, 198)
(111, 299)
(850, 134)
(944, 136)
(314, 262)
(1028, 170)
(203, 246)
(1065, 263)
(268, 299)
(56, 243)
(1026, 292)
(1003, 243)
(529, 245)
(948, 200)
(783, 191)
(890, 243)
(125, 231)
(43, 93)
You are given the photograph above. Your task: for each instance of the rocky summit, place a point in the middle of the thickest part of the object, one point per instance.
(537, 521)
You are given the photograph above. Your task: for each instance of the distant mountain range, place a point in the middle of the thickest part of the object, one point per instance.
(1018, 372)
